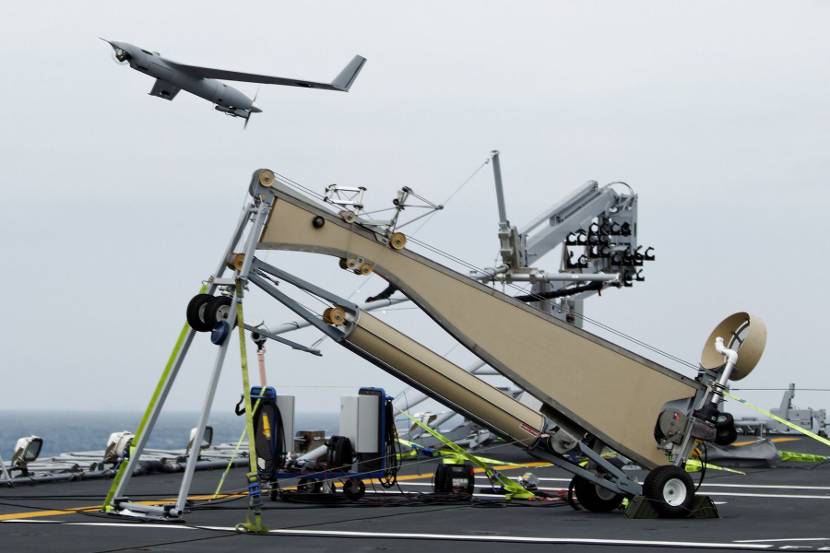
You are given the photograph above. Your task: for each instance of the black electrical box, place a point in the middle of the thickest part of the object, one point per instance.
(456, 479)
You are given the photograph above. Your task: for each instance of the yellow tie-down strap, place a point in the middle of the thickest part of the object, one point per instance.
(776, 418)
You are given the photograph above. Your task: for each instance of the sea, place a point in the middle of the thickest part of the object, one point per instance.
(64, 431)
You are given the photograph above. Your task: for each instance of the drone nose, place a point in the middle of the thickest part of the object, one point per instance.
(255, 109)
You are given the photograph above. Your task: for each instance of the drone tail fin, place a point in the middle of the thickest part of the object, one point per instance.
(343, 81)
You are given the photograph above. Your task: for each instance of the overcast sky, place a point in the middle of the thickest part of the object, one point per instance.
(116, 205)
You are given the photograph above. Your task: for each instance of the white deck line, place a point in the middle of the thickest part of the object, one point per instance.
(706, 484)
(782, 539)
(734, 494)
(430, 536)
(771, 495)
(516, 539)
(769, 486)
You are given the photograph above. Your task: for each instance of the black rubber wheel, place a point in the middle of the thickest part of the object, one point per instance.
(218, 309)
(595, 498)
(354, 488)
(196, 312)
(724, 420)
(309, 485)
(341, 454)
(670, 490)
(726, 431)
(726, 436)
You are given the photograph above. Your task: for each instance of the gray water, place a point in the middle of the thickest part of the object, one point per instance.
(64, 431)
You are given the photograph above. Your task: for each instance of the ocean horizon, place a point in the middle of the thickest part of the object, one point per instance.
(64, 430)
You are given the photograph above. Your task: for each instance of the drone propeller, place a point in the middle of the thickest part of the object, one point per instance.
(119, 60)
(252, 109)
(119, 56)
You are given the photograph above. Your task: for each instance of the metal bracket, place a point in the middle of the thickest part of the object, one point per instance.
(290, 343)
(295, 306)
(623, 484)
(260, 266)
(223, 281)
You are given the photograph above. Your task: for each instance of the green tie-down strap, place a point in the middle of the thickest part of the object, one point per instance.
(229, 466)
(513, 490)
(122, 468)
(785, 422)
(253, 523)
(449, 457)
(798, 457)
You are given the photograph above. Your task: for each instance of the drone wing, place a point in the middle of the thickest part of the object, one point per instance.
(342, 82)
(165, 90)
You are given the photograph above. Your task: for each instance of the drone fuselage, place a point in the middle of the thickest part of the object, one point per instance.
(169, 80)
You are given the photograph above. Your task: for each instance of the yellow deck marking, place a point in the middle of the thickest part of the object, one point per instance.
(33, 514)
(774, 440)
(97, 508)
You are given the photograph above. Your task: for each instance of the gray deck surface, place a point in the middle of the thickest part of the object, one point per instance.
(786, 508)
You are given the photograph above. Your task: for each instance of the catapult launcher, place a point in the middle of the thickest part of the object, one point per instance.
(595, 395)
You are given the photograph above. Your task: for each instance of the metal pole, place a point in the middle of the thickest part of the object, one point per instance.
(541, 277)
(260, 357)
(297, 325)
(190, 468)
(499, 189)
(6, 475)
(168, 383)
(196, 448)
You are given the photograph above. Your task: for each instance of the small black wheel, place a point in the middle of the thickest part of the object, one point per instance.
(726, 433)
(670, 490)
(309, 485)
(724, 420)
(218, 309)
(196, 312)
(726, 436)
(595, 498)
(354, 488)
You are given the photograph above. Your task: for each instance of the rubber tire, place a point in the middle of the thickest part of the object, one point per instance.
(589, 496)
(726, 436)
(340, 453)
(653, 486)
(724, 420)
(195, 313)
(726, 431)
(211, 313)
(354, 488)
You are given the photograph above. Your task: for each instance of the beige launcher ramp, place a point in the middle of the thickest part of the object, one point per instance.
(607, 390)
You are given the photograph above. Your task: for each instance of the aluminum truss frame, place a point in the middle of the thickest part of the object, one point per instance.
(252, 219)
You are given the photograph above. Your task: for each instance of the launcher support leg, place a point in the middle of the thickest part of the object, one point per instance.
(196, 448)
(164, 386)
(261, 215)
